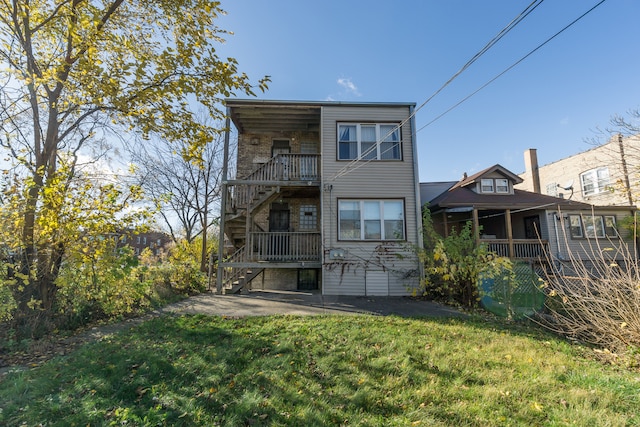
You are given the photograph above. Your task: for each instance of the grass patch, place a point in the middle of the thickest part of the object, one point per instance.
(329, 370)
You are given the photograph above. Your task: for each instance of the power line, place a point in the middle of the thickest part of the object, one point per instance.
(511, 66)
(358, 162)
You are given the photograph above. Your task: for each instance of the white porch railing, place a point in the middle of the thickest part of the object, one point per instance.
(522, 248)
(284, 246)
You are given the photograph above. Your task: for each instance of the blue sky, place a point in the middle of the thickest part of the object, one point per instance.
(404, 51)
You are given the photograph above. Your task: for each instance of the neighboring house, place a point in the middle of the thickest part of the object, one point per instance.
(325, 196)
(607, 174)
(526, 225)
(154, 240)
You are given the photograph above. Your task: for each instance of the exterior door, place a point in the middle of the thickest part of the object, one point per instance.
(279, 217)
(307, 279)
(279, 226)
(308, 165)
(532, 227)
(281, 146)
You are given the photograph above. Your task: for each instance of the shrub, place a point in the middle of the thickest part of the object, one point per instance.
(595, 301)
(454, 264)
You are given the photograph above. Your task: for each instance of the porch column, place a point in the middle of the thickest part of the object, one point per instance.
(223, 204)
(507, 216)
(446, 225)
(248, 246)
(476, 226)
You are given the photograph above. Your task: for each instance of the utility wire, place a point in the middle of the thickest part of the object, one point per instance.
(511, 66)
(351, 166)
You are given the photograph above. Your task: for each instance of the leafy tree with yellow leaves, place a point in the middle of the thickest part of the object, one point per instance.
(72, 72)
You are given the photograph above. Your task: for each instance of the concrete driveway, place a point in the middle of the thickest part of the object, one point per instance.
(263, 303)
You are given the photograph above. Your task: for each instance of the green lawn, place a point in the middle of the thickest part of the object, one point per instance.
(329, 370)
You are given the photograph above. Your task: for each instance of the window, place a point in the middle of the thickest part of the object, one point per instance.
(308, 217)
(552, 189)
(594, 181)
(575, 226)
(502, 186)
(371, 220)
(487, 185)
(592, 226)
(497, 185)
(368, 141)
(610, 228)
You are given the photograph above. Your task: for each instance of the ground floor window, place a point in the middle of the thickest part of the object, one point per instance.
(592, 226)
(371, 220)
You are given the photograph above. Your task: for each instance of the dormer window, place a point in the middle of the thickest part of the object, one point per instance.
(502, 186)
(497, 185)
(487, 185)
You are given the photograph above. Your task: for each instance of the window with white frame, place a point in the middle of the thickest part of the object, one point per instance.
(592, 226)
(502, 185)
(594, 181)
(494, 185)
(368, 141)
(371, 220)
(486, 185)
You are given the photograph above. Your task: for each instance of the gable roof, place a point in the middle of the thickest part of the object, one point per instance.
(495, 168)
(458, 197)
(461, 195)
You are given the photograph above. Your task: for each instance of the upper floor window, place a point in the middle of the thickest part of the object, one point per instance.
(371, 220)
(502, 186)
(372, 141)
(552, 189)
(498, 185)
(594, 181)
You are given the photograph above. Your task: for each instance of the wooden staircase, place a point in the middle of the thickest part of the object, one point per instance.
(245, 276)
(234, 279)
(262, 187)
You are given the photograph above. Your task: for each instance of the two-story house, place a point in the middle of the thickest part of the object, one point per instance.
(606, 174)
(325, 196)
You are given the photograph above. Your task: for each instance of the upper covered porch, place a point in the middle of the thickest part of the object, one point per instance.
(278, 142)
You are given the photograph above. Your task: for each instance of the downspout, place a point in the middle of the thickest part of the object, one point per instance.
(416, 176)
(556, 218)
(223, 202)
(414, 143)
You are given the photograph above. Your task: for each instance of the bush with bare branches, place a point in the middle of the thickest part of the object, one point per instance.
(596, 301)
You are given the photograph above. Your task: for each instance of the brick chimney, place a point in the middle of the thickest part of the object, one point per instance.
(531, 168)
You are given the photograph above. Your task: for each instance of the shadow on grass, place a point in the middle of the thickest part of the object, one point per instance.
(282, 370)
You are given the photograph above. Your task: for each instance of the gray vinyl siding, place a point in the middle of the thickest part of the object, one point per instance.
(567, 247)
(376, 180)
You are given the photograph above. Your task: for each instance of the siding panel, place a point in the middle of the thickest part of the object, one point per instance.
(368, 180)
